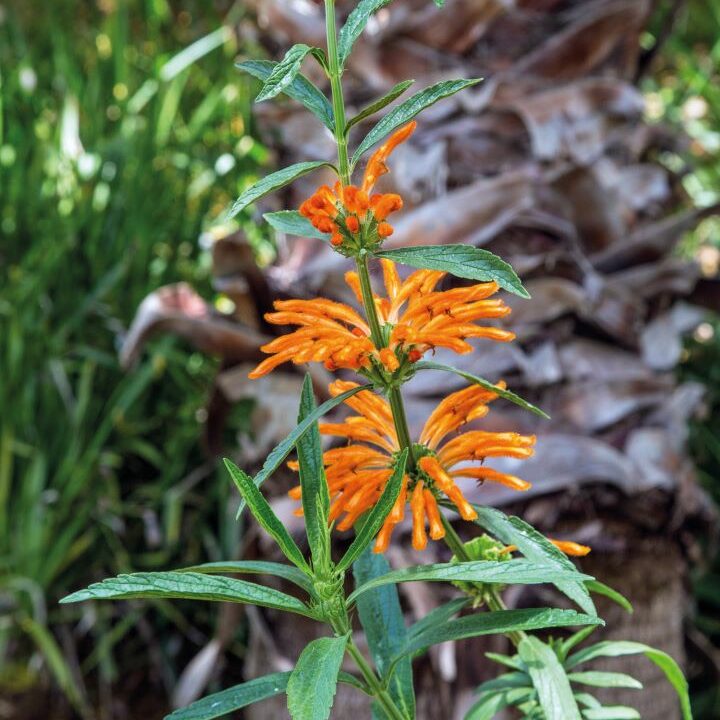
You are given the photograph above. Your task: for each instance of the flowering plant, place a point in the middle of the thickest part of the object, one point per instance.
(382, 474)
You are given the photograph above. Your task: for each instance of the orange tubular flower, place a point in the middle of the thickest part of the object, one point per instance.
(351, 215)
(421, 318)
(358, 472)
(567, 546)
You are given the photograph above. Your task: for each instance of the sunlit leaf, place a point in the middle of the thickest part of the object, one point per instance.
(284, 72)
(291, 222)
(380, 103)
(596, 678)
(355, 24)
(259, 567)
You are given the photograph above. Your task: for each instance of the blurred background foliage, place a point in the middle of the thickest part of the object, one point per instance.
(118, 146)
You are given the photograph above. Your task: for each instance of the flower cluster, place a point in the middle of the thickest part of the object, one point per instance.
(353, 216)
(358, 472)
(415, 318)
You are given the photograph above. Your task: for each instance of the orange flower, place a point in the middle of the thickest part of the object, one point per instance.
(421, 319)
(567, 546)
(358, 472)
(352, 216)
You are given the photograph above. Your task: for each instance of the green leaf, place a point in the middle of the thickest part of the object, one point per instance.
(625, 647)
(507, 572)
(192, 53)
(617, 712)
(440, 3)
(376, 517)
(273, 182)
(313, 483)
(260, 567)
(505, 394)
(549, 679)
(382, 619)
(486, 708)
(587, 700)
(506, 660)
(281, 451)
(313, 682)
(187, 585)
(595, 586)
(534, 546)
(502, 621)
(564, 647)
(355, 24)
(506, 681)
(284, 72)
(605, 679)
(300, 89)
(439, 616)
(234, 698)
(408, 110)
(291, 222)
(379, 104)
(265, 516)
(463, 261)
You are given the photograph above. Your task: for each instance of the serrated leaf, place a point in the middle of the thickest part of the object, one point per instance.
(463, 261)
(291, 222)
(549, 679)
(438, 616)
(186, 585)
(282, 450)
(355, 24)
(502, 621)
(408, 110)
(616, 712)
(619, 648)
(312, 684)
(234, 698)
(505, 394)
(300, 89)
(284, 72)
(508, 572)
(534, 546)
(379, 104)
(595, 586)
(260, 567)
(273, 182)
(382, 620)
(265, 516)
(376, 517)
(605, 679)
(313, 483)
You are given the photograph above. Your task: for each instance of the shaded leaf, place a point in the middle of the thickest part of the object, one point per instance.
(504, 394)
(259, 567)
(463, 261)
(187, 585)
(408, 110)
(273, 182)
(300, 89)
(234, 698)
(549, 679)
(439, 616)
(355, 24)
(379, 104)
(595, 586)
(291, 222)
(284, 72)
(265, 515)
(376, 517)
(312, 684)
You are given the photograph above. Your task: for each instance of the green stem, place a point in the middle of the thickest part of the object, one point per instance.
(401, 424)
(338, 101)
(368, 301)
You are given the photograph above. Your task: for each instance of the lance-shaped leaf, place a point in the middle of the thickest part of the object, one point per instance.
(380, 103)
(595, 586)
(488, 706)
(521, 572)
(549, 679)
(265, 515)
(273, 182)
(282, 450)
(191, 586)
(611, 712)
(300, 89)
(286, 71)
(408, 110)
(502, 621)
(234, 698)
(625, 647)
(384, 626)
(312, 684)
(439, 616)
(313, 483)
(256, 567)
(355, 24)
(463, 261)
(291, 222)
(504, 394)
(376, 517)
(595, 678)
(534, 546)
